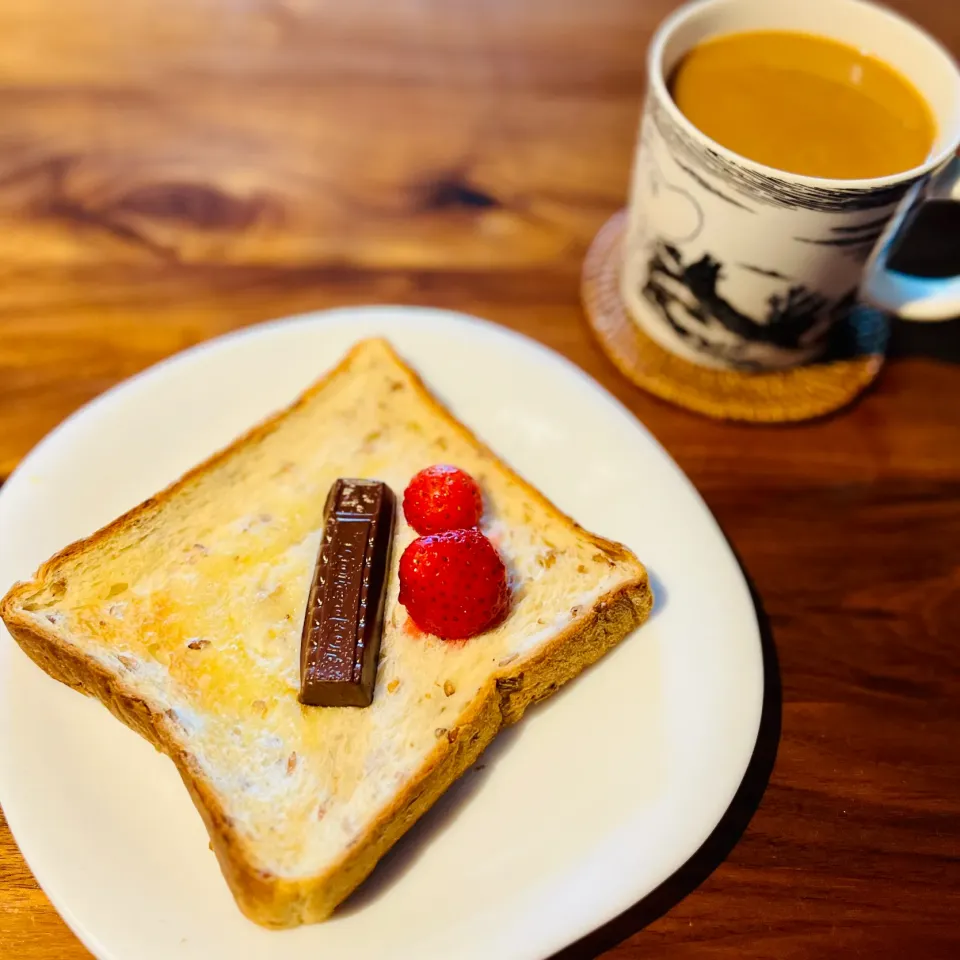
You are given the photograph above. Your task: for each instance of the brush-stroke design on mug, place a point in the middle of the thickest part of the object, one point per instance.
(734, 293)
(686, 296)
(855, 242)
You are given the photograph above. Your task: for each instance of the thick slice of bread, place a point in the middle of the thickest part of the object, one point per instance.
(184, 618)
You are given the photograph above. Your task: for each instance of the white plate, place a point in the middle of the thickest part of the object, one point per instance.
(582, 809)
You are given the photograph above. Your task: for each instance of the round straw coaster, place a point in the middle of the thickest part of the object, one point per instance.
(778, 396)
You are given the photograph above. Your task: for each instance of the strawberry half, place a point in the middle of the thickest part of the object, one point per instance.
(441, 498)
(453, 584)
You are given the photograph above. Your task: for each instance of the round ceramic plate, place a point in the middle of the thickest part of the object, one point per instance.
(570, 817)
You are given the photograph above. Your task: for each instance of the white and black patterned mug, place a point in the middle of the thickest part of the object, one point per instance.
(730, 263)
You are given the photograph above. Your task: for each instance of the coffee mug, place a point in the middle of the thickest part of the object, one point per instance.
(733, 264)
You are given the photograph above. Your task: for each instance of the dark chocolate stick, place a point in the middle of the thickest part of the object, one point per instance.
(343, 625)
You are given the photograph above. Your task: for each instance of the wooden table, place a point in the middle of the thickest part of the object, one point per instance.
(169, 171)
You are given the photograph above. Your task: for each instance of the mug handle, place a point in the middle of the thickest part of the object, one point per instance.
(914, 298)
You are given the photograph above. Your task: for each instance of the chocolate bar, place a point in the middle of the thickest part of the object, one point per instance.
(343, 625)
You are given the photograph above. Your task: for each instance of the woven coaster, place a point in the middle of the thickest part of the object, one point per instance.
(779, 396)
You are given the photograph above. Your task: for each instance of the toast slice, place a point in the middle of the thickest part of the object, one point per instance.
(184, 618)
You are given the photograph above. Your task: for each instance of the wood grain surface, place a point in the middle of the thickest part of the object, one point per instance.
(169, 171)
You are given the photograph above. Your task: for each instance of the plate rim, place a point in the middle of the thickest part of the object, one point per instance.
(552, 940)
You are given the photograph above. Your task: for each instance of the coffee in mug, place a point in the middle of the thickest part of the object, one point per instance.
(804, 104)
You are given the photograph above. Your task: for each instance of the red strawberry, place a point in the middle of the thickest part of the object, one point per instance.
(441, 498)
(453, 584)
